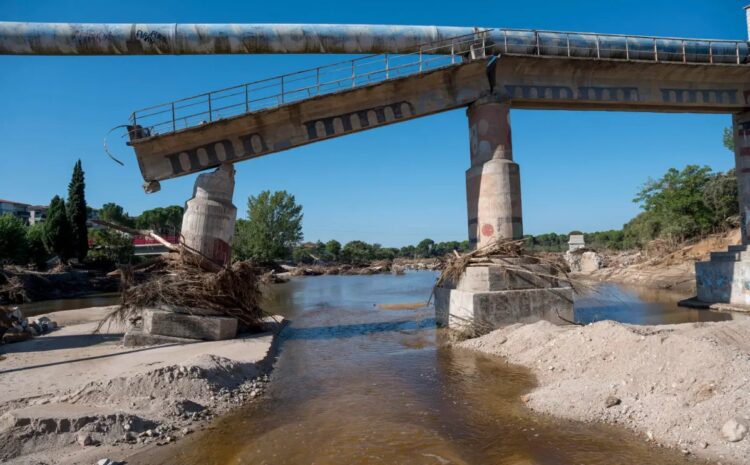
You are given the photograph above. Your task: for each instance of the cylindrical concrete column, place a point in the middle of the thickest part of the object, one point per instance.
(741, 128)
(208, 223)
(493, 183)
(747, 16)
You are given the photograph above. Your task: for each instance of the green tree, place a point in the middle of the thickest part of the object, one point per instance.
(76, 210)
(109, 248)
(273, 227)
(38, 254)
(424, 248)
(728, 139)
(113, 213)
(333, 249)
(13, 243)
(676, 202)
(162, 219)
(57, 235)
(357, 253)
(720, 196)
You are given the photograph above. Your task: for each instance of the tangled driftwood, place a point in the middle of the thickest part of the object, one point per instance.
(187, 280)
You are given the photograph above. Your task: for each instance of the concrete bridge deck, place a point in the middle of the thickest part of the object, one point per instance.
(196, 133)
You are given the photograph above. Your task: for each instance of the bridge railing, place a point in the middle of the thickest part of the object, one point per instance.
(289, 88)
(619, 47)
(302, 85)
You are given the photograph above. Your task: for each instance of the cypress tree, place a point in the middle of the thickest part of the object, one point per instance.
(57, 235)
(76, 209)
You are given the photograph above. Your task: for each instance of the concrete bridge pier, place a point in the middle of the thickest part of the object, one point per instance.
(208, 223)
(493, 182)
(487, 297)
(725, 278)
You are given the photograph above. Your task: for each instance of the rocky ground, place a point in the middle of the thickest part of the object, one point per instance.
(682, 386)
(73, 397)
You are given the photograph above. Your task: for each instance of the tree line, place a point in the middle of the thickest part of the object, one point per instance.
(273, 231)
(65, 232)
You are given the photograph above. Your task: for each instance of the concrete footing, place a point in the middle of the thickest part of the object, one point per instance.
(725, 278)
(488, 297)
(180, 325)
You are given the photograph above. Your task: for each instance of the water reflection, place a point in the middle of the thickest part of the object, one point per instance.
(355, 384)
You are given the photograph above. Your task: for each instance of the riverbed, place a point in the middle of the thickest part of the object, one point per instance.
(357, 383)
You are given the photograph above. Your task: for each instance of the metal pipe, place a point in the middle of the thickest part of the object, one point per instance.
(747, 16)
(181, 39)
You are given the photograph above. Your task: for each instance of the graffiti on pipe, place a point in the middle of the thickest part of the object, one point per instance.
(215, 153)
(151, 37)
(92, 38)
(356, 120)
(595, 93)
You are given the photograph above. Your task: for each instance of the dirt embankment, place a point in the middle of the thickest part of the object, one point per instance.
(682, 386)
(76, 397)
(663, 267)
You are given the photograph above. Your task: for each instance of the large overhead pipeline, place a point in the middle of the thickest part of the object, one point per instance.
(183, 39)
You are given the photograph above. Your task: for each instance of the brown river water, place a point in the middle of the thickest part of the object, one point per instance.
(358, 384)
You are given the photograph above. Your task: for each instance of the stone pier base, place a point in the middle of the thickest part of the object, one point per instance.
(488, 297)
(725, 278)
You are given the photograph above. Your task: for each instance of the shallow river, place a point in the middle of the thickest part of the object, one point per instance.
(358, 384)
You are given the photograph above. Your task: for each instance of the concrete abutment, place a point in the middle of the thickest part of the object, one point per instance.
(725, 277)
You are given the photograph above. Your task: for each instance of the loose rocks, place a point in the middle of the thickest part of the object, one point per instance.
(734, 430)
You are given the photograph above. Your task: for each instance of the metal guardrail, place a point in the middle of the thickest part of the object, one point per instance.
(289, 88)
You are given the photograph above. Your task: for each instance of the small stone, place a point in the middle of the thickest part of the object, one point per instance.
(525, 398)
(611, 401)
(84, 440)
(108, 462)
(186, 431)
(734, 430)
(650, 435)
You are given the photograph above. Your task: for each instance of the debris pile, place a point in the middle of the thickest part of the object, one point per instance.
(510, 255)
(15, 328)
(185, 292)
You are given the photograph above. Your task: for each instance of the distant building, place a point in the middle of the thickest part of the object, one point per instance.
(576, 242)
(30, 214)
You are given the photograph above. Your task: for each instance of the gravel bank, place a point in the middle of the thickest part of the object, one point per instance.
(685, 386)
(74, 397)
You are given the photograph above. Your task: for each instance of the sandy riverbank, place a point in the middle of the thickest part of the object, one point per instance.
(74, 397)
(677, 385)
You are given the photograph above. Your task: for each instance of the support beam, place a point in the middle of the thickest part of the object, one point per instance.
(208, 223)
(493, 183)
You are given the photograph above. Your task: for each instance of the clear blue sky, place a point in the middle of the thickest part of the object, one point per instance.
(393, 185)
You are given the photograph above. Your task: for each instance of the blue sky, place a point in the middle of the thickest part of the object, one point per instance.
(394, 185)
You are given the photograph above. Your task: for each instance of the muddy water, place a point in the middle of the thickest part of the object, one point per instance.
(358, 384)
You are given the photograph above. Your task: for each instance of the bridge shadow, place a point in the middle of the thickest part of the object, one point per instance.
(354, 330)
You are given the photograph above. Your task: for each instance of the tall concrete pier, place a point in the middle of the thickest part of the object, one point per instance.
(493, 182)
(208, 223)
